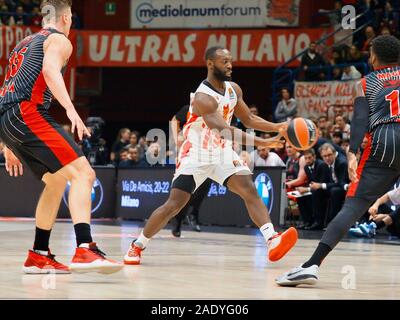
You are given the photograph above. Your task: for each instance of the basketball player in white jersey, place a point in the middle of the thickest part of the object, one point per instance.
(205, 154)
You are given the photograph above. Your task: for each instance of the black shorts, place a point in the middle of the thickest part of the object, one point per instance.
(379, 167)
(36, 139)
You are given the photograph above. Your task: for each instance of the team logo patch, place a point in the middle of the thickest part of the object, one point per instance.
(265, 189)
(96, 195)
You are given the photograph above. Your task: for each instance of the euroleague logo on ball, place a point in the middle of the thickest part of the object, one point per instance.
(97, 195)
(265, 189)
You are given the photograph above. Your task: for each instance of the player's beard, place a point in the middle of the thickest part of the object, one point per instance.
(220, 75)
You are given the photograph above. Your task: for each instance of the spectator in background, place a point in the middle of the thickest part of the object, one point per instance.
(286, 108)
(295, 174)
(36, 19)
(370, 35)
(152, 158)
(123, 154)
(133, 139)
(316, 171)
(342, 126)
(133, 159)
(263, 157)
(337, 138)
(385, 31)
(5, 18)
(322, 125)
(310, 59)
(351, 73)
(19, 17)
(2, 159)
(253, 109)
(355, 55)
(121, 142)
(337, 186)
(345, 145)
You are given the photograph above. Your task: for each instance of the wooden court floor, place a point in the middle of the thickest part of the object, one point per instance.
(202, 265)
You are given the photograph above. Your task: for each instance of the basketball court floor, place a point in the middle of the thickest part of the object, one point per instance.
(205, 265)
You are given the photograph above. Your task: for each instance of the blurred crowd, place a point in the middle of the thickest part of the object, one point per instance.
(25, 13)
(347, 61)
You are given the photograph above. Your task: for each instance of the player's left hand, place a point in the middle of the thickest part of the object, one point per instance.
(14, 167)
(373, 210)
(352, 166)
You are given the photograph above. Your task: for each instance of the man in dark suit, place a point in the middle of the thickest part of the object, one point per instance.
(317, 171)
(338, 183)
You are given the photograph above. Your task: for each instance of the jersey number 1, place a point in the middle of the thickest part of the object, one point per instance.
(393, 99)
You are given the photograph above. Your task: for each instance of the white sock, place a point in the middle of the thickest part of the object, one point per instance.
(84, 245)
(42, 253)
(267, 230)
(142, 241)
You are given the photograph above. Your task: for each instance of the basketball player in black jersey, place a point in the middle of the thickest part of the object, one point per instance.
(377, 117)
(33, 76)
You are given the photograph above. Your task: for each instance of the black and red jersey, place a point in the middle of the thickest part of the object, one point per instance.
(382, 89)
(24, 80)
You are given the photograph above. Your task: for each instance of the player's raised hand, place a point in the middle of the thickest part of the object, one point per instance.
(77, 124)
(14, 167)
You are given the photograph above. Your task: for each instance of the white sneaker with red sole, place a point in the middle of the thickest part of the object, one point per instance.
(133, 255)
(40, 264)
(92, 259)
(281, 243)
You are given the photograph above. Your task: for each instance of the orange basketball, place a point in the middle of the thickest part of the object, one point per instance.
(302, 133)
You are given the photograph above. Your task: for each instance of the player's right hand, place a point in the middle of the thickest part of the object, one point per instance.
(13, 165)
(77, 123)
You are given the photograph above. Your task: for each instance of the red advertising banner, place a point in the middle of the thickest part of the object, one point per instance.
(250, 48)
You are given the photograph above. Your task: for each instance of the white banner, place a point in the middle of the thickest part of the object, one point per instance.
(189, 14)
(315, 99)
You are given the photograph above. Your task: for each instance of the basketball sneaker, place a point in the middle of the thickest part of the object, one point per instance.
(40, 264)
(356, 232)
(89, 258)
(133, 255)
(369, 230)
(281, 243)
(299, 275)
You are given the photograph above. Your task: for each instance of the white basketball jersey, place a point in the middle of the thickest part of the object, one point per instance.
(201, 143)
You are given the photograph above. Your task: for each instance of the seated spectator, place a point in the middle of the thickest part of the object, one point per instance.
(342, 126)
(317, 171)
(335, 190)
(345, 145)
(5, 18)
(310, 59)
(355, 55)
(351, 73)
(19, 17)
(370, 35)
(337, 138)
(286, 108)
(36, 19)
(322, 125)
(295, 174)
(153, 156)
(121, 142)
(385, 31)
(133, 159)
(123, 155)
(379, 220)
(263, 157)
(133, 139)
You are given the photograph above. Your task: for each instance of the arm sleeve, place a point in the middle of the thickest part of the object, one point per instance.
(359, 125)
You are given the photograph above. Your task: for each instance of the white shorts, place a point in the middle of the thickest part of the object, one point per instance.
(219, 172)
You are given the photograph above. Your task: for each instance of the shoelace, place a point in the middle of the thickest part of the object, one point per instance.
(97, 251)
